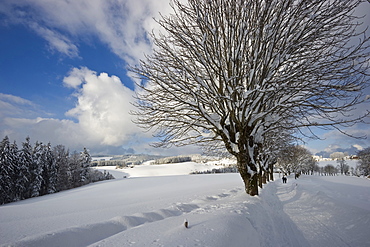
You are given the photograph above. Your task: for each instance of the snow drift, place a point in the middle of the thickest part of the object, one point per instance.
(150, 211)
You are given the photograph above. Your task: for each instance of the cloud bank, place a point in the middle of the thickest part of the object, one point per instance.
(100, 116)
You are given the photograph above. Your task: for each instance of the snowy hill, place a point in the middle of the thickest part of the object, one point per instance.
(151, 210)
(148, 170)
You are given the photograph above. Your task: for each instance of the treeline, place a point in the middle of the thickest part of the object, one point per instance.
(174, 159)
(30, 171)
(230, 169)
(298, 160)
(117, 163)
(363, 169)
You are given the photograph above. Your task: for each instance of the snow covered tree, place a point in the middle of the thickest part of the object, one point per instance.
(330, 170)
(75, 169)
(364, 162)
(14, 154)
(269, 151)
(85, 162)
(342, 166)
(60, 155)
(49, 171)
(36, 169)
(41, 170)
(294, 158)
(24, 176)
(6, 172)
(232, 71)
(310, 167)
(20, 174)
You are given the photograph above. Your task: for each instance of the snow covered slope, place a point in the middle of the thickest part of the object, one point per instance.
(150, 211)
(147, 170)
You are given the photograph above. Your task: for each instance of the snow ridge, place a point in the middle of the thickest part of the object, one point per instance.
(332, 211)
(93, 233)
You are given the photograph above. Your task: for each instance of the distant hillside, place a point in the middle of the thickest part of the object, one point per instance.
(139, 159)
(185, 158)
(123, 160)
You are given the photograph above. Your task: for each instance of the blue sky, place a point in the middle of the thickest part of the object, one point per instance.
(63, 74)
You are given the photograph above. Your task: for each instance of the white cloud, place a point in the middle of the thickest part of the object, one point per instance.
(56, 40)
(15, 99)
(103, 105)
(102, 124)
(360, 130)
(101, 112)
(45, 130)
(11, 105)
(359, 147)
(331, 148)
(76, 77)
(335, 141)
(122, 25)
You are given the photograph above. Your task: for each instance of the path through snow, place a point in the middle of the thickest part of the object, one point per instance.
(329, 211)
(311, 211)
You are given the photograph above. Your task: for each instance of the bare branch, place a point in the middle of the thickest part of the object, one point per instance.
(239, 72)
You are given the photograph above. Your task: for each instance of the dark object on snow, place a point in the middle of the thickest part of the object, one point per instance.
(186, 224)
(284, 180)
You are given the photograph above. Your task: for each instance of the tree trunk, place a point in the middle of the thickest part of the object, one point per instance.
(253, 185)
(260, 178)
(264, 179)
(246, 179)
(250, 182)
(271, 168)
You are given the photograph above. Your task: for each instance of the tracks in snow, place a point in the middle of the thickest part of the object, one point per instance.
(92, 233)
(320, 217)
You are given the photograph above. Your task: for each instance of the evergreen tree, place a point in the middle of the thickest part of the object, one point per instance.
(14, 153)
(85, 161)
(36, 169)
(19, 176)
(6, 171)
(60, 156)
(39, 170)
(51, 168)
(24, 176)
(75, 169)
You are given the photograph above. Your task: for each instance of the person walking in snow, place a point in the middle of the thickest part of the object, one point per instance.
(284, 179)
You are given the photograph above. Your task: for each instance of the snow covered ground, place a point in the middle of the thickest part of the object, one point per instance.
(147, 170)
(149, 210)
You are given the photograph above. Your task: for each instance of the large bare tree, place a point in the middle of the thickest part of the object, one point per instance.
(233, 72)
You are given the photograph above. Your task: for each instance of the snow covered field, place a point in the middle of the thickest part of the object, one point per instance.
(147, 170)
(150, 210)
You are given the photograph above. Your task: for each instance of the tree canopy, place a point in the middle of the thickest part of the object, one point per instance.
(246, 73)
